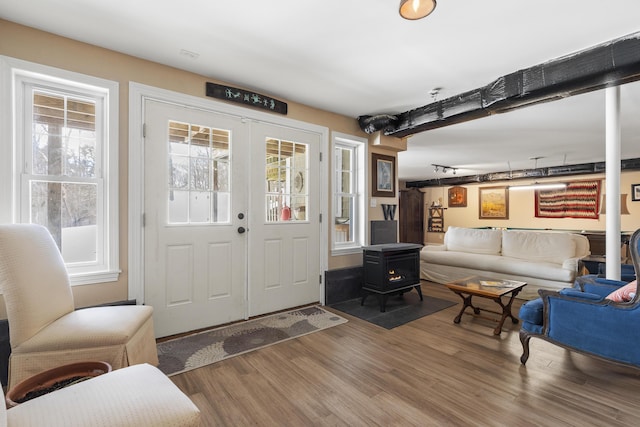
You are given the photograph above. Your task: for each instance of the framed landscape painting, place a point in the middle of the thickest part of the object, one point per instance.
(494, 202)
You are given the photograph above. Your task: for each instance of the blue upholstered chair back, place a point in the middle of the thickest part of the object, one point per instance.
(634, 249)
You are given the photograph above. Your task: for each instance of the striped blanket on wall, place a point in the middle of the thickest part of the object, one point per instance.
(580, 199)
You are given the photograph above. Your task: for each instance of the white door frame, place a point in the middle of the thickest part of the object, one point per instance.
(138, 94)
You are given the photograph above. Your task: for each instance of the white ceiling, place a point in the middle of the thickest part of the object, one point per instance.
(358, 57)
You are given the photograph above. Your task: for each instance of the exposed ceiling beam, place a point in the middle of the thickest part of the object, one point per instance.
(550, 172)
(608, 64)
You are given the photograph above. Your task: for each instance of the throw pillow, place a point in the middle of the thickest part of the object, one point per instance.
(625, 293)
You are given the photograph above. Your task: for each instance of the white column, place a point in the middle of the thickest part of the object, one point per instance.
(613, 181)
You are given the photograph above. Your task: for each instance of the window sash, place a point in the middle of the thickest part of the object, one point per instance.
(348, 213)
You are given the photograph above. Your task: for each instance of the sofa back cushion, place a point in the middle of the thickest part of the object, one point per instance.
(542, 247)
(479, 241)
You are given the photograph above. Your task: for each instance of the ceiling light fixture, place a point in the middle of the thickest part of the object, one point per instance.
(443, 168)
(537, 186)
(416, 9)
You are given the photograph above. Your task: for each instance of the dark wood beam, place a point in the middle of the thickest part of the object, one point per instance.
(549, 172)
(609, 64)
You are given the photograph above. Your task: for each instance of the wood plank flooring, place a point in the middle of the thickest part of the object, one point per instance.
(430, 372)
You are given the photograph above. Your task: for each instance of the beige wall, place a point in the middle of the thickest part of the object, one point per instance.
(44, 48)
(521, 208)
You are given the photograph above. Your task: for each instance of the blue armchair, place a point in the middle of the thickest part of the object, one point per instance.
(583, 320)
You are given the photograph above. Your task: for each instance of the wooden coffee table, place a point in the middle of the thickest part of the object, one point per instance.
(494, 289)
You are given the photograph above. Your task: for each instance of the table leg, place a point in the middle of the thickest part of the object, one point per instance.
(506, 312)
(466, 303)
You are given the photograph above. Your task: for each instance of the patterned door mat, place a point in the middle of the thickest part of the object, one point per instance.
(203, 348)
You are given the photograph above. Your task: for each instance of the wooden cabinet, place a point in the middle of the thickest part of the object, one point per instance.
(411, 216)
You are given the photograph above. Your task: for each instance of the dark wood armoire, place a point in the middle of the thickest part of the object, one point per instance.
(411, 216)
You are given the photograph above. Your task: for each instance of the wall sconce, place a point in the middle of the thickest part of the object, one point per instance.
(623, 205)
(416, 9)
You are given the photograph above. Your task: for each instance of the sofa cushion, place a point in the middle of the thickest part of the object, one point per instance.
(471, 240)
(541, 247)
(499, 264)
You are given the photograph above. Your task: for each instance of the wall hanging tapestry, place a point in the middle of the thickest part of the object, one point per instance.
(580, 199)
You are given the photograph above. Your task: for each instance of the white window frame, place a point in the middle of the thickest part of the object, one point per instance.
(16, 77)
(359, 170)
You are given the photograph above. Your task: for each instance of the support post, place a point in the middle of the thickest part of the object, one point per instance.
(612, 176)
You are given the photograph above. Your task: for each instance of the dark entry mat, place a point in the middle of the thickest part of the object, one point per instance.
(399, 309)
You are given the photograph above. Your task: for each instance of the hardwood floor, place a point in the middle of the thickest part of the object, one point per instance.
(430, 372)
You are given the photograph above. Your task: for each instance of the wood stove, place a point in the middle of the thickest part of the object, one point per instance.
(391, 268)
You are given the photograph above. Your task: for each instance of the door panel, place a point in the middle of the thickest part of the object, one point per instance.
(195, 260)
(284, 248)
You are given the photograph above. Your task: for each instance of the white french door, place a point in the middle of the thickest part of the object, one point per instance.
(231, 212)
(195, 176)
(284, 236)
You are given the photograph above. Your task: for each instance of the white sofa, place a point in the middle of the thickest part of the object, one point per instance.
(546, 260)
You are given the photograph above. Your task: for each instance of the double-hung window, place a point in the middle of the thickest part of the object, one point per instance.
(65, 173)
(348, 210)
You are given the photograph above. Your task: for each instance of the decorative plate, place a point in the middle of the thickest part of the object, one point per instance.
(298, 182)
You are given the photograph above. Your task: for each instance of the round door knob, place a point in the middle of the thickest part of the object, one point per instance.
(241, 230)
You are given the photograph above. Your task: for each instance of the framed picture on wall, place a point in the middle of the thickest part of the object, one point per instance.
(635, 192)
(494, 202)
(383, 178)
(457, 197)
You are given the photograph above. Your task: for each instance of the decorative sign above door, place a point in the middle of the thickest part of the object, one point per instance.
(244, 97)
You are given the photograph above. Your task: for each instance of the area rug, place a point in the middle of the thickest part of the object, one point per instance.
(203, 348)
(398, 311)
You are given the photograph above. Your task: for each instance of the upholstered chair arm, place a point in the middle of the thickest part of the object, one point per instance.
(597, 285)
(603, 286)
(591, 296)
(571, 264)
(589, 323)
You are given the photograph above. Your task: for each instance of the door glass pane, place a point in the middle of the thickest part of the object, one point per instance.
(199, 174)
(286, 178)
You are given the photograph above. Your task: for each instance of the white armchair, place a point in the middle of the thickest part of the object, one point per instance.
(135, 396)
(44, 329)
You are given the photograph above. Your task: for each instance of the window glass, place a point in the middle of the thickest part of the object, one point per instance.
(199, 174)
(63, 193)
(286, 177)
